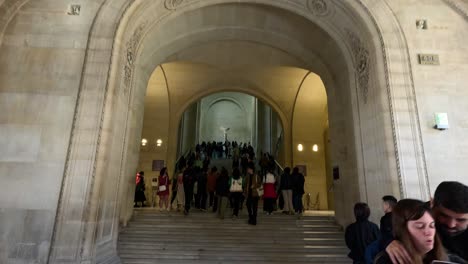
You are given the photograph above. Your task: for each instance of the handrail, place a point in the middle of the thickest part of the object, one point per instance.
(279, 165)
(178, 159)
(278, 143)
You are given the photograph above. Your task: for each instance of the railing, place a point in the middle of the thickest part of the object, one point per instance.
(278, 168)
(185, 155)
(278, 143)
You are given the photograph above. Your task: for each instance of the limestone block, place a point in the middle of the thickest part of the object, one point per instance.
(20, 143)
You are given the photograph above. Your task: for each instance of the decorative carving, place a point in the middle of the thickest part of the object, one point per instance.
(132, 45)
(74, 10)
(318, 7)
(173, 4)
(421, 24)
(361, 60)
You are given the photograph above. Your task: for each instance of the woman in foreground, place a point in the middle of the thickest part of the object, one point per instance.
(414, 227)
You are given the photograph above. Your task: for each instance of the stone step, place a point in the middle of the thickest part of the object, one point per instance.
(224, 257)
(244, 250)
(225, 245)
(234, 242)
(194, 228)
(170, 237)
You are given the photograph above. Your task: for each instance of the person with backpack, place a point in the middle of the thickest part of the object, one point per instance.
(236, 188)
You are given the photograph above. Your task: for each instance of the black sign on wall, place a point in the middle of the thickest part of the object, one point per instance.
(158, 165)
(336, 173)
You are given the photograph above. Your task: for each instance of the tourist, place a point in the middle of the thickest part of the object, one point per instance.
(163, 189)
(269, 188)
(251, 191)
(298, 190)
(180, 186)
(201, 189)
(140, 197)
(414, 228)
(361, 233)
(222, 192)
(450, 209)
(211, 187)
(236, 188)
(189, 182)
(286, 189)
(388, 203)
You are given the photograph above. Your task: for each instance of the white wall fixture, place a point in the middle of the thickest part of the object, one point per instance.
(441, 121)
(300, 147)
(159, 142)
(144, 141)
(315, 148)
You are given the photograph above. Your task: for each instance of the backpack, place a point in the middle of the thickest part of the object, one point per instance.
(236, 185)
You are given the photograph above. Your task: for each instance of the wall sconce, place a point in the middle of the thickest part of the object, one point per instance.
(300, 147)
(315, 148)
(441, 121)
(159, 142)
(144, 142)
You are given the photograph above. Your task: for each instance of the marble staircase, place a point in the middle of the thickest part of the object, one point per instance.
(200, 237)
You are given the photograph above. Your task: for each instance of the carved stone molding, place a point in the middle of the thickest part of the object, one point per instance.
(461, 7)
(318, 7)
(173, 4)
(8, 10)
(361, 61)
(131, 49)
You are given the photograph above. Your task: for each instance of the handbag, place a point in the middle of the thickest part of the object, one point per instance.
(260, 191)
(163, 187)
(236, 186)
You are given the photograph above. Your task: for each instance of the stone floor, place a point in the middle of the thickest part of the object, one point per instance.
(171, 237)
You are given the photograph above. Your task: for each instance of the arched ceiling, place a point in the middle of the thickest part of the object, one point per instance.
(287, 40)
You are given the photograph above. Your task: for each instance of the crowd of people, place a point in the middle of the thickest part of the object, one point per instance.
(196, 184)
(413, 231)
(410, 232)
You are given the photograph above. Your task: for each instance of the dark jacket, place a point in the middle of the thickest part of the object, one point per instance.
(189, 178)
(252, 183)
(286, 182)
(298, 183)
(455, 245)
(386, 230)
(202, 181)
(358, 236)
(222, 185)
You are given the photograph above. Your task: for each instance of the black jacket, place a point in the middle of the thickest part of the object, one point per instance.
(386, 229)
(286, 182)
(358, 236)
(456, 245)
(222, 185)
(297, 183)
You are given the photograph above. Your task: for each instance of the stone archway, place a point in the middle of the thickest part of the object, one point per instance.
(108, 113)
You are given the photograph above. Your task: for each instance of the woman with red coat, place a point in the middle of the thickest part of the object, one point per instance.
(163, 189)
(269, 188)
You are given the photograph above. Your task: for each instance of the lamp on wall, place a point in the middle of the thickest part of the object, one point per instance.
(300, 147)
(159, 142)
(315, 148)
(144, 141)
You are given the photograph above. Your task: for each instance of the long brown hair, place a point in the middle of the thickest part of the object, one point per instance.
(411, 210)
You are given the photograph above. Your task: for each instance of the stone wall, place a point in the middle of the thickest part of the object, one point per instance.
(439, 88)
(41, 58)
(381, 107)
